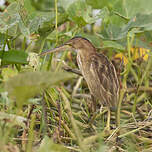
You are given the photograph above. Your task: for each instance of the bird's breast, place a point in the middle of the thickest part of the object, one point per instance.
(82, 64)
(84, 67)
(79, 61)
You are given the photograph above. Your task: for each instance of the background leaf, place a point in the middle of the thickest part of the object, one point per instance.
(113, 32)
(113, 44)
(10, 19)
(129, 9)
(27, 85)
(13, 57)
(47, 145)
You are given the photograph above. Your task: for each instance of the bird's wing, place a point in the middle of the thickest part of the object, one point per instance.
(104, 71)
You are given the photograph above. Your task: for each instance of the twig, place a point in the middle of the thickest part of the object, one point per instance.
(86, 96)
(135, 130)
(66, 128)
(141, 88)
(25, 132)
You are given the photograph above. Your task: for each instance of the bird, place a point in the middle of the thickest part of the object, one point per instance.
(97, 70)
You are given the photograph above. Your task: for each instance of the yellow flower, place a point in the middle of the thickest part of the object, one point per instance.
(136, 53)
(122, 58)
(139, 53)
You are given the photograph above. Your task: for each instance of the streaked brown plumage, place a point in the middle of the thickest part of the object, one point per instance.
(96, 69)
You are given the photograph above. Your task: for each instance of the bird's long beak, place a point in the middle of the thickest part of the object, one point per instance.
(57, 49)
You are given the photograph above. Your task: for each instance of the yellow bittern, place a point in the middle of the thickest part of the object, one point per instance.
(97, 70)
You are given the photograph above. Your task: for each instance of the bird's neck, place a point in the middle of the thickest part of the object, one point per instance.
(86, 53)
(83, 58)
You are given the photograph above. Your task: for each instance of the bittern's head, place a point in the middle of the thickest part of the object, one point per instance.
(79, 44)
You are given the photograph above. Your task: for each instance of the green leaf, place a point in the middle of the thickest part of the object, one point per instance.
(141, 21)
(28, 6)
(81, 13)
(28, 20)
(40, 20)
(9, 19)
(66, 3)
(13, 16)
(113, 32)
(13, 57)
(129, 8)
(47, 145)
(113, 44)
(98, 4)
(27, 85)
(24, 30)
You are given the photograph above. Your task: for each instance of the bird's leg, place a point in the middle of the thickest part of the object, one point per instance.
(94, 103)
(107, 128)
(93, 109)
(108, 119)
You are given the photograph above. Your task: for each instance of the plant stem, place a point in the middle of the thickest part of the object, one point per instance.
(56, 20)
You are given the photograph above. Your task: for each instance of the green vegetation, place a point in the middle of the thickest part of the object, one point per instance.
(43, 108)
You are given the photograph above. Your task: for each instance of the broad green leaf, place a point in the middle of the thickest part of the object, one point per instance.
(138, 24)
(129, 8)
(113, 32)
(40, 20)
(12, 31)
(27, 85)
(141, 21)
(47, 145)
(47, 27)
(98, 4)
(28, 6)
(24, 30)
(102, 14)
(9, 19)
(81, 13)
(13, 16)
(13, 57)
(28, 20)
(41, 5)
(66, 3)
(113, 44)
